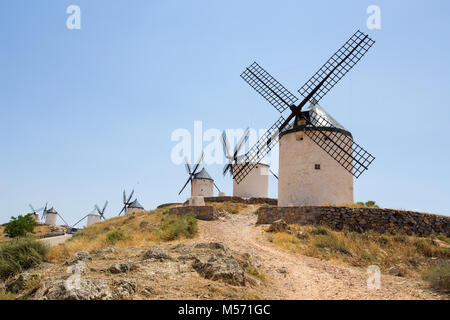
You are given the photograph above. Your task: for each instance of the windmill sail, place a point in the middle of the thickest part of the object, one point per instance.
(233, 159)
(268, 87)
(340, 147)
(259, 150)
(345, 59)
(313, 90)
(191, 173)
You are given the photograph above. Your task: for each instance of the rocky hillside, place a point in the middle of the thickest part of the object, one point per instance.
(178, 271)
(153, 255)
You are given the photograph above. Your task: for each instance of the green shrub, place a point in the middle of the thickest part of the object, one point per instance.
(21, 254)
(368, 204)
(439, 276)
(20, 226)
(115, 235)
(371, 204)
(176, 226)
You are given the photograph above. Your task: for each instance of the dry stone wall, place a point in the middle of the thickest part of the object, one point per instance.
(360, 219)
(200, 212)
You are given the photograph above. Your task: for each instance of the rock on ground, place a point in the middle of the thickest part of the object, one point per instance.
(224, 268)
(105, 251)
(79, 256)
(124, 289)
(19, 283)
(279, 226)
(121, 267)
(156, 253)
(78, 289)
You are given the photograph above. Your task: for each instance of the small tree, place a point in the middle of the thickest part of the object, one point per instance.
(20, 226)
(371, 204)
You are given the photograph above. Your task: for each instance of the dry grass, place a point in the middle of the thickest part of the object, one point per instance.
(399, 254)
(351, 205)
(133, 230)
(439, 276)
(3, 236)
(20, 254)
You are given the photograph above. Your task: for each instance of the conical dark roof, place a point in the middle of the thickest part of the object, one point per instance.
(51, 210)
(202, 175)
(317, 110)
(135, 204)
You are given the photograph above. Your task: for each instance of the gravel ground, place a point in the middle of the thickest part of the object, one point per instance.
(293, 276)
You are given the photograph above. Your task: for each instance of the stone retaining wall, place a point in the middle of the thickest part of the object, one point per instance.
(167, 204)
(360, 219)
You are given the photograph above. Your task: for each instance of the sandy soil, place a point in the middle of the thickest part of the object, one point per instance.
(293, 276)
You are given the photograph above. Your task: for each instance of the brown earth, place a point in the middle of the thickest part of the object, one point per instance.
(293, 276)
(270, 272)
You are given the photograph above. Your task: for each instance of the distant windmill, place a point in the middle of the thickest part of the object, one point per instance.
(51, 216)
(35, 212)
(191, 172)
(126, 202)
(256, 183)
(44, 211)
(102, 212)
(135, 206)
(92, 216)
(201, 182)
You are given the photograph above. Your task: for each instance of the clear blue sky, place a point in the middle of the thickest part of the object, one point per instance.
(86, 113)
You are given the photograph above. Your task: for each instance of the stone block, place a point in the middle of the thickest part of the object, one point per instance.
(196, 201)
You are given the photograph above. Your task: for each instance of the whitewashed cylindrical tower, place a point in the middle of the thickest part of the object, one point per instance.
(35, 216)
(255, 184)
(93, 218)
(135, 206)
(309, 176)
(50, 217)
(202, 185)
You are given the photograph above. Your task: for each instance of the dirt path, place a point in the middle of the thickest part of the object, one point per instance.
(293, 276)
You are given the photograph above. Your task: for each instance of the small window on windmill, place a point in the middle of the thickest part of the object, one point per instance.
(317, 166)
(299, 136)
